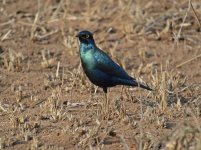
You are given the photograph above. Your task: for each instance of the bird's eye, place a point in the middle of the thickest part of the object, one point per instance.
(87, 36)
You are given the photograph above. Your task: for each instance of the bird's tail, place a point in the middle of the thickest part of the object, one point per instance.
(135, 83)
(145, 87)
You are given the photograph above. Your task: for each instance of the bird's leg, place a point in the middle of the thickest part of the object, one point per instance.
(106, 103)
(122, 89)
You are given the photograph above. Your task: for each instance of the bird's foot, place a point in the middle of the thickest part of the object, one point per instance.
(105, 113)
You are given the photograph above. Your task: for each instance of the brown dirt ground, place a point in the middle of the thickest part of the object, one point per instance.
(42, 109)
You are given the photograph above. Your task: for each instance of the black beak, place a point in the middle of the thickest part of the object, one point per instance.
(78, 35)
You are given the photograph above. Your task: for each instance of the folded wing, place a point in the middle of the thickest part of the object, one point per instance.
(107, 65)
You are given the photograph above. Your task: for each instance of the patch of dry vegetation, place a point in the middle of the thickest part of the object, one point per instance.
(46, 102)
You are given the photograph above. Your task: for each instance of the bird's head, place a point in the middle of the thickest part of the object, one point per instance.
(85, 37)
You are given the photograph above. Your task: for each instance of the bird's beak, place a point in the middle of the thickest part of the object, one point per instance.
(78, 35)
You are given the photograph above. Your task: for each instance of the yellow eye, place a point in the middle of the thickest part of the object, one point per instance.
(87, 36)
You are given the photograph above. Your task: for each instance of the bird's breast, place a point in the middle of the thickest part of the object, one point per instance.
(88, 61)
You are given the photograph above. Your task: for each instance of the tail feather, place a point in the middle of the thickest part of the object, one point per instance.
(142, 85)
(133, 82)
(145, 87)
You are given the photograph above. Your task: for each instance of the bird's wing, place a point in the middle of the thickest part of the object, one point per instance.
(107, 65)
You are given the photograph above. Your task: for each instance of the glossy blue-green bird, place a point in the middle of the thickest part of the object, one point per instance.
(100, 68)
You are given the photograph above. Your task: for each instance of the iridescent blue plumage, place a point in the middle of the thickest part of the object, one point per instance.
(99, 67)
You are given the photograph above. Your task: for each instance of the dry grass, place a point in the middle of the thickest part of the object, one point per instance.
(46, 101)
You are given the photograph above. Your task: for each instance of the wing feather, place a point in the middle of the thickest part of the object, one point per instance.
(107, 65)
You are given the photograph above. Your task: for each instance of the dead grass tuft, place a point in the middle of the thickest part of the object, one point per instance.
(46, 101)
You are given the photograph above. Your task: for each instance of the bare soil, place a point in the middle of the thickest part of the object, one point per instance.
(46, 101)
